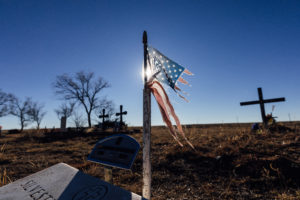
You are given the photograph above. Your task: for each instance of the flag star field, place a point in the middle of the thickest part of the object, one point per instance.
(168, 70)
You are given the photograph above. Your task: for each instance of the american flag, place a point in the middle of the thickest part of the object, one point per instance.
(166, 71)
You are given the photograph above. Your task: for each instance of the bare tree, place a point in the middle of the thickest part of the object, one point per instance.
(82, 88)
(78, 120)
(20, 109)
(65, 110)
(4, 98)
(36, 113)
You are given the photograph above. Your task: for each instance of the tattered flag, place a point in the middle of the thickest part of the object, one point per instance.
(166, 71)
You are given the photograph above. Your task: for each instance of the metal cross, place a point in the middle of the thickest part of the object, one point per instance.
(103, 116)
(121, 113)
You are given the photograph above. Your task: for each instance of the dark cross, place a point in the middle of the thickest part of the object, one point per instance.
(103, 116)
(262, 102)
(121, 113)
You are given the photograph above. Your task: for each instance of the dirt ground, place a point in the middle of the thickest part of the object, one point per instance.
(230, 161)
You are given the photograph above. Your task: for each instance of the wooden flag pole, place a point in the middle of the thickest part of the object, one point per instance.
(146, 127)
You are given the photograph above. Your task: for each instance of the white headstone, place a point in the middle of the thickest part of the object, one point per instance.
(63, 182)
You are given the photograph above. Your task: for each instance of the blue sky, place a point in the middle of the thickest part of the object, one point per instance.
(232, 47)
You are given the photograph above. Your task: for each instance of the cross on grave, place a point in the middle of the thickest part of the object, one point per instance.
(103, 116)
(121, 113)
(262, 102)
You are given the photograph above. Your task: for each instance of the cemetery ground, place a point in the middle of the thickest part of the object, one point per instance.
(230, 161)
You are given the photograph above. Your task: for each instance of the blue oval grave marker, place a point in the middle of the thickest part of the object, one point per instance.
(115, 151)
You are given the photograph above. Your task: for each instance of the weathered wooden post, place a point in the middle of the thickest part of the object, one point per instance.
(108, 174)
(146, 127)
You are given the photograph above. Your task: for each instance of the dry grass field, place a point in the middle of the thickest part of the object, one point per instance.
(230, 162)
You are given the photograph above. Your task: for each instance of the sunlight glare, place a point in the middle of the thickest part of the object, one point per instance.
(148, 73)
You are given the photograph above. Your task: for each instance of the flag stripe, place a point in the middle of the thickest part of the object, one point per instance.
(163, 109)
(167, 110)
(188, 72)
(181, 80)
